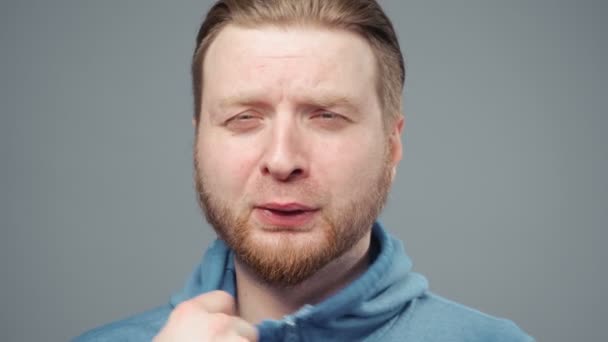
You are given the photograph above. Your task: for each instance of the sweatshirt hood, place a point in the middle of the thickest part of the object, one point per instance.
(368, 305)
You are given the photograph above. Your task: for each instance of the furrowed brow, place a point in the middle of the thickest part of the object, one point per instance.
(240, 100)
(323, 100)
(331, 101)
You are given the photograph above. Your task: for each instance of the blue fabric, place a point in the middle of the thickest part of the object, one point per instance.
(388, 302)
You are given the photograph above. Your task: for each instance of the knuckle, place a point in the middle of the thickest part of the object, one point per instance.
(184, 310)
(219, 323)
(222, 297)
(216, 301)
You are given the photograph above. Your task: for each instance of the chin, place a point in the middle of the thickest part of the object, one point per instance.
(281, 238)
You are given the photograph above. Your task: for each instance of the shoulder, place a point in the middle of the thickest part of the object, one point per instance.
(434, 318)
(141, 327)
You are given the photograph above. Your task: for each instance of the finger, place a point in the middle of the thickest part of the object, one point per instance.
(216, 302)
(234, 338)
(245, 329)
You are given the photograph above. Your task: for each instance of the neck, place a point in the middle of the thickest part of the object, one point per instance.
(258, 301)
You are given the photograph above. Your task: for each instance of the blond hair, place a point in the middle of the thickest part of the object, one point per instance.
(363, 17)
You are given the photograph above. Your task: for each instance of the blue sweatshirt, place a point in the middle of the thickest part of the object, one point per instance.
(388, 302)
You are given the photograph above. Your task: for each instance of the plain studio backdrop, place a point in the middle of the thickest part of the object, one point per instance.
(501, 198)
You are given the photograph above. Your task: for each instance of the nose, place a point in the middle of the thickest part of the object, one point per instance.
(285, 154)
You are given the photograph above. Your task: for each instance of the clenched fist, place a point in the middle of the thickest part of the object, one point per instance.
(206, 318)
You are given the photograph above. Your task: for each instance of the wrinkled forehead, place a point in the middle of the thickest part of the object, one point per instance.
(277, 61)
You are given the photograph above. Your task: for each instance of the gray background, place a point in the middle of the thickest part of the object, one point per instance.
(502, 197)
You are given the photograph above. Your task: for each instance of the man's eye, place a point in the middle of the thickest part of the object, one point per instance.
(244, 122)
(329, 120)
(245, 117)
(327, 116)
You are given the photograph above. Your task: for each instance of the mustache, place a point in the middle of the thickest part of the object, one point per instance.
(265, 193)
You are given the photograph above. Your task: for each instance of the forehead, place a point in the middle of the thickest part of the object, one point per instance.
(279, 63)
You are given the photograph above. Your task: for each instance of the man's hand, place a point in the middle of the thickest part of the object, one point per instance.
(206, 318)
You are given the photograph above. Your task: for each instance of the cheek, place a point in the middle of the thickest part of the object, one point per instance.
(225, 167)
(350, 168)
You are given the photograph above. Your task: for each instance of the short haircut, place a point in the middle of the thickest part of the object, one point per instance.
(363, 17)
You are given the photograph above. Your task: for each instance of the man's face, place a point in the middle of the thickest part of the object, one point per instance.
(292, 160)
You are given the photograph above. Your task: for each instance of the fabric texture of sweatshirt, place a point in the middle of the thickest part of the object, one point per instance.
(388, 302)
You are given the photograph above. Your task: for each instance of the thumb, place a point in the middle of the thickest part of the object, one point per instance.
(216, 302)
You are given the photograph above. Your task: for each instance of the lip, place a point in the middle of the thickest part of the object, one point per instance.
(291, 206)
(290, 216)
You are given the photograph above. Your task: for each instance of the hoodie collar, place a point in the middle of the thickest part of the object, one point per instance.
(363, 307)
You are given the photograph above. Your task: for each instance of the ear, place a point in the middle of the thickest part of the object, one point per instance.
(395, 143)
(194, 122)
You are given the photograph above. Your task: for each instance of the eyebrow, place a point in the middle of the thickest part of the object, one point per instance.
(241, 99)
(324, 100)
(327, 100)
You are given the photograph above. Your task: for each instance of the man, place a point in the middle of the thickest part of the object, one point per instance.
(298, 124)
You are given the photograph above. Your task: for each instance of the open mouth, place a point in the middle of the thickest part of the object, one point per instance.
(287, 212)
(288, 216)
